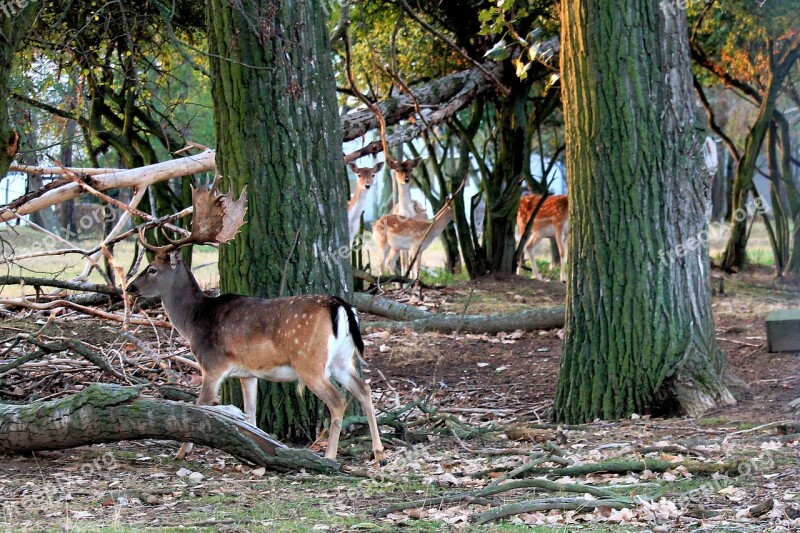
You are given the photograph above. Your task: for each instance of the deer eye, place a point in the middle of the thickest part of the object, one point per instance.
(152, 270)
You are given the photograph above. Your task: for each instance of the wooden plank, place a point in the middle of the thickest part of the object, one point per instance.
(783, 331)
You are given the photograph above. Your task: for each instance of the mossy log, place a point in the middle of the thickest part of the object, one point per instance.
(416, 319)
(110, 413)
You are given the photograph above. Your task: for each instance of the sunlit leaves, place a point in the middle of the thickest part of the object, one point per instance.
(511, 20)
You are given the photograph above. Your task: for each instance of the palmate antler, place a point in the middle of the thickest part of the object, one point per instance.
(216, 219)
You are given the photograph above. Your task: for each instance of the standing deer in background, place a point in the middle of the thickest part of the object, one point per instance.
(406, 208)
(309, 338)
(551, 221)
(394, 234)
(365, 178)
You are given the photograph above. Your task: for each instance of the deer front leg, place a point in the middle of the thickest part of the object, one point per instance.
(249, 397)
(208, 393)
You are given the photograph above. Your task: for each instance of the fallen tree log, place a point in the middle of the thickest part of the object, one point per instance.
(82, 286)
(136, 177)
(105, 413)
(410, 317)
(432, 93)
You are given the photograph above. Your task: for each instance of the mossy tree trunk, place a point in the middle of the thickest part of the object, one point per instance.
(639, 335)
(278, 132)
(503, 188)
(14, 25)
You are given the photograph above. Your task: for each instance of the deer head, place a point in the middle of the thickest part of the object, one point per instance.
(216, 219)
(365, 175)
(403, 169)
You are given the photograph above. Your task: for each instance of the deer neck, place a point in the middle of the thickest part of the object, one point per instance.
(439, 222)
(404, 196)
(356, 203)
(180, 303)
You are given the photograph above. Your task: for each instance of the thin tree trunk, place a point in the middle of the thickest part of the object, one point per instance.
(278, 132)
(503, 189)
(639, 334)
(735, 255)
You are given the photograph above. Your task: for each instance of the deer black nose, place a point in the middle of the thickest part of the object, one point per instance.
(367, 186)
(408, 179)
(133, 289)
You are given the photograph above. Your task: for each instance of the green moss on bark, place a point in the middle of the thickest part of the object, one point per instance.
(278, 132)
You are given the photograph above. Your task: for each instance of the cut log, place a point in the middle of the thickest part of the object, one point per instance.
(109, 413)
(410, 317)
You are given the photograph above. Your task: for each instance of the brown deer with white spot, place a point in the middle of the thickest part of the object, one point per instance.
(552, 220)
(308, 338)
(394, 234)
(365, 177)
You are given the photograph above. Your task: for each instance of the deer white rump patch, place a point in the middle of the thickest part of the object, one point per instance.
(340, 351)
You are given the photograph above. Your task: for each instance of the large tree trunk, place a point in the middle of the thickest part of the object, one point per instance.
(278, 132)
(110, 413)
(639, 332)
(14, 26)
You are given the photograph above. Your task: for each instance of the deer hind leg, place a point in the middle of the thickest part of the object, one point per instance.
(363, 393)
(208, 394)
(331, 397)
(562, 251)
(530, 248)
(249, 396)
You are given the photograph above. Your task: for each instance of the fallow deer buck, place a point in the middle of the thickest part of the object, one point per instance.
(308, 338)
(365, 177)
(551, 221)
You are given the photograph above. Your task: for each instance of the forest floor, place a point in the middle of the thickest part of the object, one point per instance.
(480, 411)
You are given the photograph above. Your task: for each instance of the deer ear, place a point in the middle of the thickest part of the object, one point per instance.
(353, 167)
(417, 161)
(174, 258)
(377, 168)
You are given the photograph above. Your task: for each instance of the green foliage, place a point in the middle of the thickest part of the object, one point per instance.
(526, 25)
(386, 45)
(127, 72)
(741, 35)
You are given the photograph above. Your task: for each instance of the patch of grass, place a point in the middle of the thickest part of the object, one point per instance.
(440, 276)
(19, 241)
(709, 422)
(760, 256)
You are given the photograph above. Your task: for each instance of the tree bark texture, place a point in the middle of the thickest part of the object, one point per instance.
(278, 132)
(14, 25)
(110, 413)
(639, 334)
